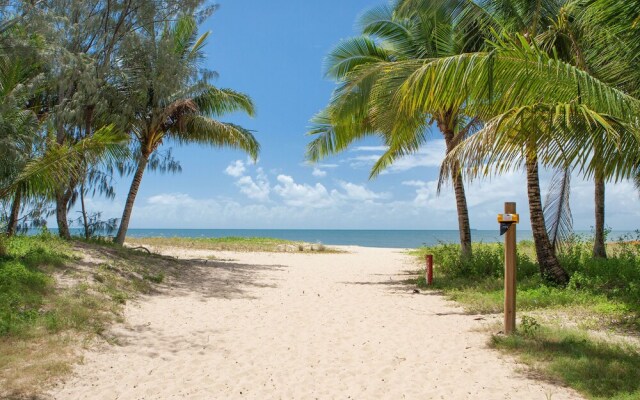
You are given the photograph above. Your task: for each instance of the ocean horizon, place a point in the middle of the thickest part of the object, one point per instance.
(353, 237)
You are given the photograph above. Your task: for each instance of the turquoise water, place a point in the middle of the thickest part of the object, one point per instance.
(366, 238)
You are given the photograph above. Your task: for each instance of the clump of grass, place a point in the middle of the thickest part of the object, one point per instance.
(243, 244)
(606, 290)
(598, 369)
(40, 321)
(219, 244)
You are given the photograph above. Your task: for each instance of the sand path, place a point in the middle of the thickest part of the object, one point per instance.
(299, 326)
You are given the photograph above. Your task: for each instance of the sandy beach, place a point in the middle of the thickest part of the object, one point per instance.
(299, 326)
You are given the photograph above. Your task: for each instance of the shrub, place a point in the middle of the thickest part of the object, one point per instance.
(487, 261)
(21, 291)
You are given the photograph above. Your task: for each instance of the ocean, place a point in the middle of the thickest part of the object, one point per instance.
(366, 238)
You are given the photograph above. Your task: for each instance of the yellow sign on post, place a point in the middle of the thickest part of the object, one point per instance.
(508, 222)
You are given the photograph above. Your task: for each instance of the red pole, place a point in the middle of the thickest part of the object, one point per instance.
(429, 270)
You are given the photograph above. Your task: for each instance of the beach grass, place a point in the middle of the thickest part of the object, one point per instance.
(51, 301)
(600, 292)
(241, 244)
(597, 368)
(561, 329)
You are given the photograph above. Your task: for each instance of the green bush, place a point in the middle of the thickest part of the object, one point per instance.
(487, 261)
(21, 291)
(23, 284)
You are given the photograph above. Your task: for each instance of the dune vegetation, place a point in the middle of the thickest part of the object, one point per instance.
(581, 335)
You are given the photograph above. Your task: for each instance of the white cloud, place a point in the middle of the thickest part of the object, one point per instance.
(369, 148)
(361, 193)
(302, 195)
(235, 169)
(363, 161)
(318, 173)
(414, 183)
(257, 189)
(429, 156)
(287, 203)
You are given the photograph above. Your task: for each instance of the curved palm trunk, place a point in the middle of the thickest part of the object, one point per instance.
(12, 227)
(599, 247)
(62, 202)
(131, 198)
(85, 221)
(464, 226)
(549, 265)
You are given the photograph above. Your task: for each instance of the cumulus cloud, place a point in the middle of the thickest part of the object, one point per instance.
(235, 169)
(257, 189)
(318, 173)
(360, 192)
(302, 195)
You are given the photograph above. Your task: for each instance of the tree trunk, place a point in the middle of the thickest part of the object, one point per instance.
(549, 266)
(464, 226)
(62, 200)
(12, 228)
(131, 197)
(87, 233)
(599, 247)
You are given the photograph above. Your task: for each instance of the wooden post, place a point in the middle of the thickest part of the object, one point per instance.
(510, 273)
(429, 270)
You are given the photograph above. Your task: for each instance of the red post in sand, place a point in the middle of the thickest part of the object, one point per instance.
(429, 270)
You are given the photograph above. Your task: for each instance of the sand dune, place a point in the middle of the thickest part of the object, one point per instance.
(299, 326)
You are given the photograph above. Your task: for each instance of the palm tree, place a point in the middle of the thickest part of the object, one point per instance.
(514, 85)
(172, 100)
(356, 110)
(602, 54)
(438, 83)
(555, 118)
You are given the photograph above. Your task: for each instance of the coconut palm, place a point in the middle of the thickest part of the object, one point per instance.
(356, 110)
(170, 99)
(602, 54)
(532, 102)
(444, 82)
(538, 108)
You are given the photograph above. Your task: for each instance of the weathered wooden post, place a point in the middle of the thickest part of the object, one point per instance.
(508, 222)
(429, 269)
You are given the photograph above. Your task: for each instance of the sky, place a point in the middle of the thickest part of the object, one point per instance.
(274, 51)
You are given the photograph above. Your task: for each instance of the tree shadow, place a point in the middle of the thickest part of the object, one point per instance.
(402, 282)
(225, 279)
(598, 368)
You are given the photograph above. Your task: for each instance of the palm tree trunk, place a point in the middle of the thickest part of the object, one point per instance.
(463, 217)
(12, 227)
(464, 227)
(599, 247)
(87, 233)
(131, 198)
(62, 201)
(549, 266)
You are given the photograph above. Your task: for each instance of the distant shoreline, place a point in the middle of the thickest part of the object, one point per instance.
(342, 237)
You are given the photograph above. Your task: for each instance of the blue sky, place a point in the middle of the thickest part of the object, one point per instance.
(274, 51)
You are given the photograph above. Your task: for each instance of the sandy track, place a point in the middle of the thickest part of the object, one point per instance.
(299, 326)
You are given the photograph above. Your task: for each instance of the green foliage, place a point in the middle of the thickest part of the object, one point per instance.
(487, 261)
(23, 285)
(596, 368)
(529, 326)
(608, 289)
(231, 244)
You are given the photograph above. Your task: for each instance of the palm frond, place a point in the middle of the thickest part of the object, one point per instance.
(217, 102)
(207, 131)
(352, 53)
(557, 209)
(60, 163)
